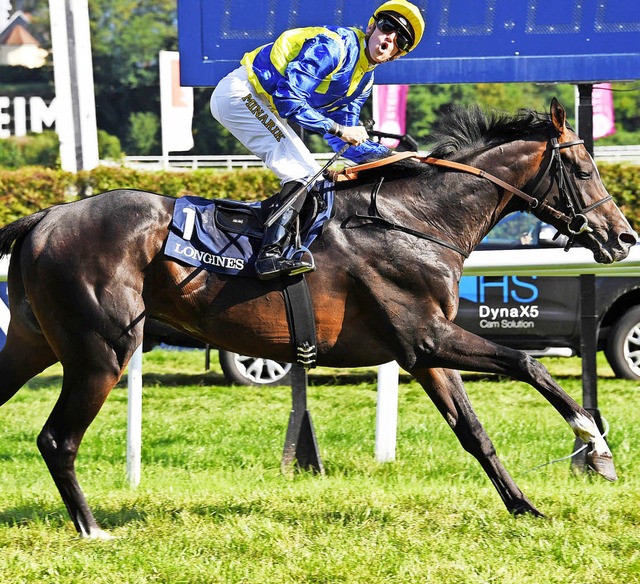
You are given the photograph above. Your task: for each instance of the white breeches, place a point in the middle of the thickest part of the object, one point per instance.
(237, 106)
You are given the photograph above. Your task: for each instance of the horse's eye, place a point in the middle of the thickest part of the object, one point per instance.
(583, 174)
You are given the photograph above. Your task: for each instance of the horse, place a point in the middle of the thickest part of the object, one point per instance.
(84, 276)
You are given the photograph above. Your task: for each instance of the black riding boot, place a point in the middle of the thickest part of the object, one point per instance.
(270, 263)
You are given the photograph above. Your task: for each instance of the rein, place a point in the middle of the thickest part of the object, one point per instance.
(577, 221)
(533, 202)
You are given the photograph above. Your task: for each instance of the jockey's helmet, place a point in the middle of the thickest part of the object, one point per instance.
(403, 17)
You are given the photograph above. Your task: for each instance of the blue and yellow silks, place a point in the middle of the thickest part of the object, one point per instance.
(317, 76)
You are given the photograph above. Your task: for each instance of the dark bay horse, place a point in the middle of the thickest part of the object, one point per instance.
(84, 276)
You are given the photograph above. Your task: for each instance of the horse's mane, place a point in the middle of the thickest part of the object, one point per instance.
(460, 129)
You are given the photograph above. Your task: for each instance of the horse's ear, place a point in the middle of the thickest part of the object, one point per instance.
(558, 115)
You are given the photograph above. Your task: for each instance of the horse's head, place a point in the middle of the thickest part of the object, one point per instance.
(572, 198)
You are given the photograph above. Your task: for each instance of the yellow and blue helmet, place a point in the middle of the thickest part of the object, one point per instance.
(406, 18)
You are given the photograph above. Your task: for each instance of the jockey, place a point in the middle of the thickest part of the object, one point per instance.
(319, 78)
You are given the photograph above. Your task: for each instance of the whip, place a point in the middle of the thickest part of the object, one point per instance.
(293, 197)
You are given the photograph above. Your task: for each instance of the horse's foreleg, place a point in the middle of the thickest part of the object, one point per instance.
(457, 348)
(81, 398)
(582, 423)
(445, 388)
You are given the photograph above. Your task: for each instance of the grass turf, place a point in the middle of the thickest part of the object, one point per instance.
(213, 506)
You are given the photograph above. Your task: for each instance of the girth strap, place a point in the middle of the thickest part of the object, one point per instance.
(300, 316)
(377, 217)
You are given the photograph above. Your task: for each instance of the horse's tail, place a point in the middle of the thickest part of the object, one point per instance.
(11, 233)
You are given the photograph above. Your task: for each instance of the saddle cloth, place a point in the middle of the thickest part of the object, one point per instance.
(225, 236)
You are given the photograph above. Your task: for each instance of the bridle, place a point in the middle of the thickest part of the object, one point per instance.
(576, 219)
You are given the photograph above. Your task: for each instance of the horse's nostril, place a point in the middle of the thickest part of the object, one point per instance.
(628, 238)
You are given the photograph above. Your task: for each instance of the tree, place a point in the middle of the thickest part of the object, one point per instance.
(126, 37)
(144, 129)
(424, 103)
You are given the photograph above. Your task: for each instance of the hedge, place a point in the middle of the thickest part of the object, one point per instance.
(29, 189)
(621, 181)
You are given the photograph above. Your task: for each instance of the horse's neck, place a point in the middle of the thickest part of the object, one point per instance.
(488, 202)
(411, 206)
(453, 206)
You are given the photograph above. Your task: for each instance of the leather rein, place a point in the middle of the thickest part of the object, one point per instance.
(577, 221)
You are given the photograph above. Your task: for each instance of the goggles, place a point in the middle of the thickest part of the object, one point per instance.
(386, 25)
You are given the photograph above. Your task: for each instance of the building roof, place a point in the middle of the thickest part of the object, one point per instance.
(17, 31)
(20, 36)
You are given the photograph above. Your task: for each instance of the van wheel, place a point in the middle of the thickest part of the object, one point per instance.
(623, 347)
(243, 370)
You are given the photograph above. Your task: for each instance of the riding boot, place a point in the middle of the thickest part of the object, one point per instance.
(270, 262)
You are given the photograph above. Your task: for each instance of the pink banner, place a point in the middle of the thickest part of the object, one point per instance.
(603, 117)
(390, 110)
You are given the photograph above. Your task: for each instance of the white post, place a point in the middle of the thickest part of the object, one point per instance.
(73, 76)
(134, 418)
(387, 412)
(176, 107)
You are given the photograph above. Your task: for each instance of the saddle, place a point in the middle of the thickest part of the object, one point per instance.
(248, 218)
(225, 236)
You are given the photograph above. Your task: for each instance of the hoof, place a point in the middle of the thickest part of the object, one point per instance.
(98, 535)
(603, 465)
(527, 509)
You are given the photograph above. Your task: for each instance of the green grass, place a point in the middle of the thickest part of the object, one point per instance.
(213, 506)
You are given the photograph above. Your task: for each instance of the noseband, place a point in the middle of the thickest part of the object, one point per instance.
(576, 219)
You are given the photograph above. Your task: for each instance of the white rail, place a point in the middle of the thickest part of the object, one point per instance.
(629, 154)
(545, 262)
(222, 162)
(548, 262)
(617, 154)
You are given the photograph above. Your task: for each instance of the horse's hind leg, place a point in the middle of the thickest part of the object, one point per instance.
(445, 388)
(26, 351)
(83, 394)
(22, 357)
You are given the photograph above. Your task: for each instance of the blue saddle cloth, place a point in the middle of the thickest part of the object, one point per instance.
(225, 236)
